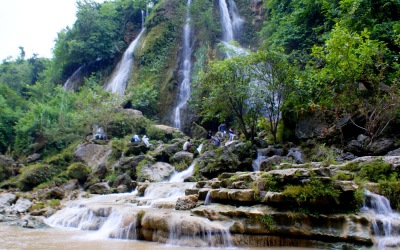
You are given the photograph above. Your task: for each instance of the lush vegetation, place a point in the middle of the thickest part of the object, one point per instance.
(335, 56)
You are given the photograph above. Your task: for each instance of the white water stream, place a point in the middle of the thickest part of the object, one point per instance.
(121, 74)
(185, 68)
(386, 223)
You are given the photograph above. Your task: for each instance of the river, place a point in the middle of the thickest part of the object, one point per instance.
(64, 238)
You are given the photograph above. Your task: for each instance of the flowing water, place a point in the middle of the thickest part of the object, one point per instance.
(185, 69)
(122, 72)
(70, 83)
(386, 223)
(231, 24)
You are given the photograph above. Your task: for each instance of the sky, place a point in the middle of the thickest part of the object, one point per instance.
(33, 24)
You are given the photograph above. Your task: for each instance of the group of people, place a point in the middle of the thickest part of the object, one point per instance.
(145, 139)
(220, 136)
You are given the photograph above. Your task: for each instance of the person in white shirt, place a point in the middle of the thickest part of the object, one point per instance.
(146, 139)
(187, 145)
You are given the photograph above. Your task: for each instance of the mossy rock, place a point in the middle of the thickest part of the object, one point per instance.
(78, 171)
(5, 168)
(34, 175)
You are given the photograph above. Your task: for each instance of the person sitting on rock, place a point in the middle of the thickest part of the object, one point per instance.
(187, 145)
(135, 138)
(231, 134)
(146, 139)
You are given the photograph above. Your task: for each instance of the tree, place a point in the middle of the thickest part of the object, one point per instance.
(275, 76)
(229, 94)
(350, 72)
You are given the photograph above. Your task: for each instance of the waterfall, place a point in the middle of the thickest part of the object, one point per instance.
(70, 83)
(231, 23)
(121, 74)
(257, 162)
(386, 223)
(186, 67)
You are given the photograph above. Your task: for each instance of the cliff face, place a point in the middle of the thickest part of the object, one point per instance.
(158, 56)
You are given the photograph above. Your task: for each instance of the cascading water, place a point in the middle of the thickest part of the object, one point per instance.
(186, 67)
(231, 23)
(122, 216)
(70, 83)
(385, 224)
(121, 74)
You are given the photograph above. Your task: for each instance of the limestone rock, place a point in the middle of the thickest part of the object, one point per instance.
(71, 185)
(92, 154)
(136, 148)
(186, 202)
(100, 188)
(156, 172)
(182, 157)
(55, 193)
(33, 157)
(395, 152)
(7, 199)
(382, 146)
(22, 205)
(123, 180)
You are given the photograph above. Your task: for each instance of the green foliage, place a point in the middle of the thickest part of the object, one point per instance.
(271, 183)
(78, 171)
(143, 97)
(391, 190)
(343, 176)
(311, 192)
(377, 171)
(267, 221)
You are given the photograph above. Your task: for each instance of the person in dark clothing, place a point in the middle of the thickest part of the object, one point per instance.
(209, 135)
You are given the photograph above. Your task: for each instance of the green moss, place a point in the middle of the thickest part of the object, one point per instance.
(140, 166)
(78, 171)
(34, 175)
(271, 182)
(179, 166)
(351, 166)
(376, 171)
(117, 147)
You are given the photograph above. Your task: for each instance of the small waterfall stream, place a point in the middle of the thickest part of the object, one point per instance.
(122, 216)
(386, 223)
(121, 74)
(185, 68)
(70, 83)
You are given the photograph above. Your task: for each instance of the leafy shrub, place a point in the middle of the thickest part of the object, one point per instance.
(268, 221)
(78, 171)
(312, 191)
(391, 190)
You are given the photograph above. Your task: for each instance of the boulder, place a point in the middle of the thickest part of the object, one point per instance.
(6, 168)
(93, 155)
(7, 199)
(186, 202)
(157, 172)
(136, 148)
(100, 188)
(132, 113)
(235, 157)
(33, 158)
(381, 147)
(128, 165)
(270, 162)
(356, 148)
(182, 157)
(312, 126)
(22, 205)
(55, 193)
(71, 185)
(123, 180)
(395, 152)
(34, 175)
